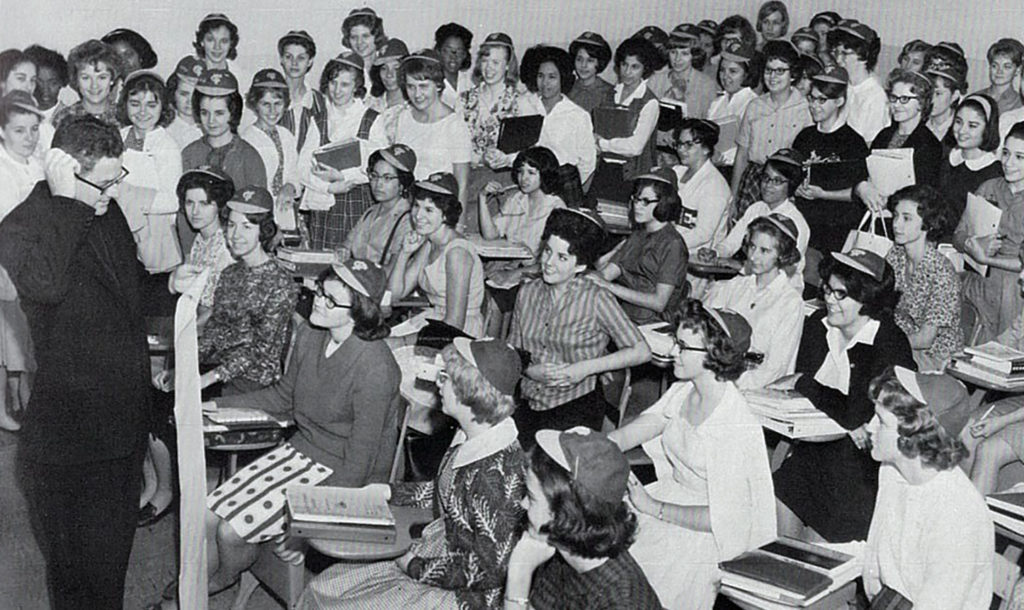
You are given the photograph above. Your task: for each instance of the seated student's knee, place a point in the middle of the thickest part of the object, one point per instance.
(227, 535)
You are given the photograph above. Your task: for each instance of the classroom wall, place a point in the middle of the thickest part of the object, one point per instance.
(169, 26)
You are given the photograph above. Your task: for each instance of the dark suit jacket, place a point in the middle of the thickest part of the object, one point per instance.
(78, 279)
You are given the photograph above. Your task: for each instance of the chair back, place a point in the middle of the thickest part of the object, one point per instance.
(970, 319)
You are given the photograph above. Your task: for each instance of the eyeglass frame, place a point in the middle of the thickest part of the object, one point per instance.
(776, 71)
(819, 100)
(902, 100)
(329, 301)
(840, 294)
(678, 346)
(108, 185)
(688, 144)
(634, 199)
(766, 179)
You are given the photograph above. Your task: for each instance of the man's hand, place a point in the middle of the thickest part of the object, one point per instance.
(60, 170)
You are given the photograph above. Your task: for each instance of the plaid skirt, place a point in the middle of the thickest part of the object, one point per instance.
(382, 585)
(253, 501)
(329, 228)
(749, 191)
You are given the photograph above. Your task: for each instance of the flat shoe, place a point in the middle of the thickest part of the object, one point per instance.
(148, 515)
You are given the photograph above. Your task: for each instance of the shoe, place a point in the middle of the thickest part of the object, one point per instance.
(148, 514)
(7, 422)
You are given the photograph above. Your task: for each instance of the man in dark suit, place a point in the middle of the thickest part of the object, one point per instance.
(71, 256)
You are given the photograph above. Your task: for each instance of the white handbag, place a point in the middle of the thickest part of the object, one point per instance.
(867, 235)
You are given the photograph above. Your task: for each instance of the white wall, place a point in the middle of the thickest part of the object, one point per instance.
(169, 24)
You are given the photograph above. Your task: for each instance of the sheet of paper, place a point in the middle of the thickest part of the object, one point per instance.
(891, 169)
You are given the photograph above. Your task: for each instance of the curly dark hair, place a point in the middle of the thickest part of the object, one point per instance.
(234, 102)
(736, 24)
(932, 207)
(52, 60)
(783, 51)
(866, 52)
(542, 160)
(454, 30)
(405, 179)
(137, 42)
(265, 221)
(788, 253)
(642, 49)
(877, 298)
(920, 433)
(603, 53)
(450, 206)
(373, 23)
(217, 191)
(723, 359)
(205, 27)
(369, 322)
(88, 140)
(93, 53)
(540, 54)
(151, 84)
(794, 175)
(585, 238)
(669, 207)
(581, 523)
(919, 86)
(700, 131)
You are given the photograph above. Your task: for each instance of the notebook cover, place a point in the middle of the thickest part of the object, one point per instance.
(519, 133)
(340, 156)
(612, 122)
(772, 571)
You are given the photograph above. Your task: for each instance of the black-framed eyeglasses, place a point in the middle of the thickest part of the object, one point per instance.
(776, 71)
(635, 199)
(836, 293)
(773, 180)
(902, 100)
(329, 300)
(687, 144)
(817, 100)
(375, 177)
(102, 188)
(681, 346)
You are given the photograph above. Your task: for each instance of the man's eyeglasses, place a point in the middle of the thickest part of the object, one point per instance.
(102, 188)
(329, 300)
(902, 100)
(375, 177)
(835, 293)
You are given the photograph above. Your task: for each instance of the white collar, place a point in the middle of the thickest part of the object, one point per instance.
(490, 442)
(865, 335)
(639, 92)
(956, 157)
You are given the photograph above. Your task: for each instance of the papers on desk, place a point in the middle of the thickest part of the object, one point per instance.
(790, 414)
(891, 169)
(981, 218)
(225, 420)
(1007, 509)
(659, 338)
(499, 248)
(357, 514)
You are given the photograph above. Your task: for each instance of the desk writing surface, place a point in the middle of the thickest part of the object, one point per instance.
(405, 518)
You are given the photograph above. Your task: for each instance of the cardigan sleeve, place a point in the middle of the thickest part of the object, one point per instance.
(491, 511)
(39, 241)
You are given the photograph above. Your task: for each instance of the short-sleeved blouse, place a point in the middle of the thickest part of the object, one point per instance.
(930, 296)
(648, 259)
(766, 128)
(439, 145)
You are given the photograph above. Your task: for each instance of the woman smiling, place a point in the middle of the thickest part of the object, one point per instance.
(590, 54)
(95, 72)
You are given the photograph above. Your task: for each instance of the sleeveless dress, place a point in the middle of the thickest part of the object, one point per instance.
(432, 280)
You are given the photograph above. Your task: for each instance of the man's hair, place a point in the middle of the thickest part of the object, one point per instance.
(88, 140)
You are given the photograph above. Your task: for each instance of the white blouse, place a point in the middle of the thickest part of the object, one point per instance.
(933, 543)
(776, 317)
(17, 180)
(835, 369)
(567, 131)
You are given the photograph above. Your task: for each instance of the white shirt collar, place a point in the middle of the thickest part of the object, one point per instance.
(835, 370)
(639, 92)
(490, 442)
(956, 157)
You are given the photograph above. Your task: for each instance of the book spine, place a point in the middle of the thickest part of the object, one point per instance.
(335, 531)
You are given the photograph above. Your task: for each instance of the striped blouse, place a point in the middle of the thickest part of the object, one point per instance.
(579, 326)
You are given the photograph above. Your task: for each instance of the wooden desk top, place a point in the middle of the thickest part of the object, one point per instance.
(405, 518)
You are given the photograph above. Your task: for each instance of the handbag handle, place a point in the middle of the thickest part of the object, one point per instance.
(874, 218)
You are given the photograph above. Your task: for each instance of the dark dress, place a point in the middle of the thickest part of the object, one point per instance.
(832, 486)
(648, 259)
(835, 162)
(955, 181)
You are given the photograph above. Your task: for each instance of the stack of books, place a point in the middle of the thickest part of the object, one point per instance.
(614, 214)
(499, 248)
(1007, 510)
(353, 514)
(305, 263)
(790, 414)
(992, 362)
(788, 572)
